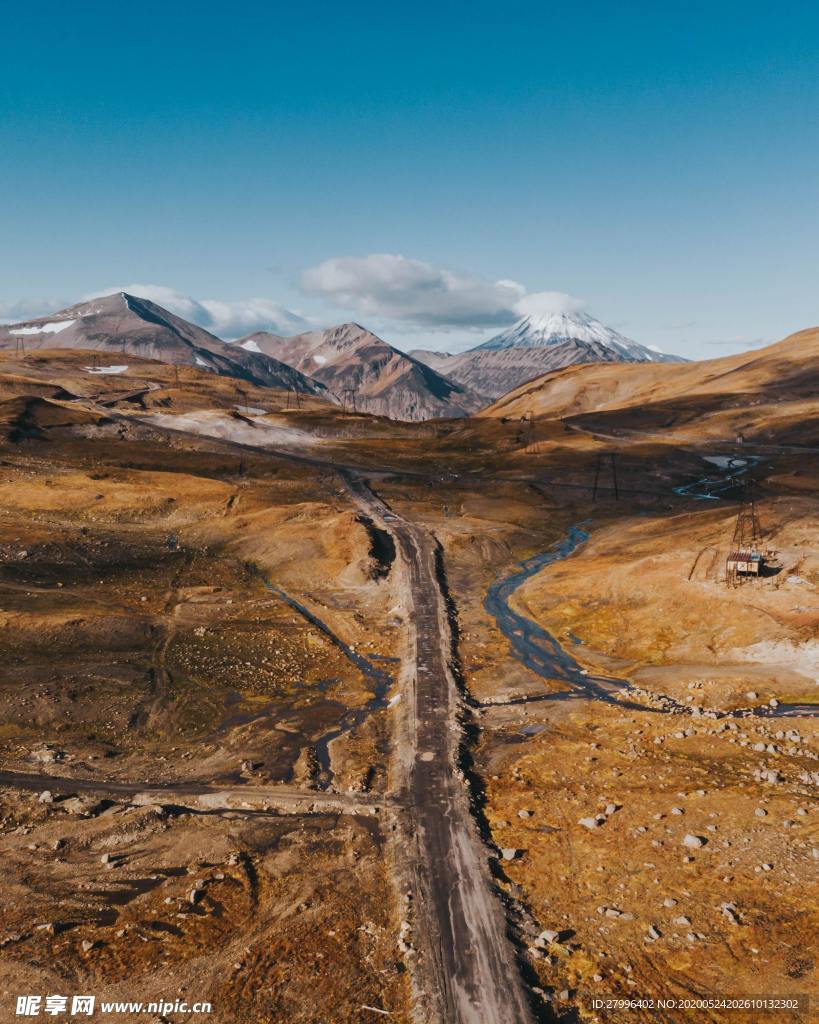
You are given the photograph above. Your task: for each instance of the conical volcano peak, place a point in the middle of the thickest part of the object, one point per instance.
(551, 329)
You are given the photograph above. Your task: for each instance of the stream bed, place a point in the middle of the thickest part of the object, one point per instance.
(543, 653)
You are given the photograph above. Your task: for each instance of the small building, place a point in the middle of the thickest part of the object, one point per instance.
(744, 563)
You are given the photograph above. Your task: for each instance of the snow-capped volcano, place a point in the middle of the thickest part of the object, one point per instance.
(536, 345)
(556, 328)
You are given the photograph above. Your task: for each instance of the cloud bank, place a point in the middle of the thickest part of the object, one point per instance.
(400, 294)
(27, 309)
(421, 294)
(226, 319)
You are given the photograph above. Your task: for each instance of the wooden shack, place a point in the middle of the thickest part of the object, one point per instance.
(744, 563)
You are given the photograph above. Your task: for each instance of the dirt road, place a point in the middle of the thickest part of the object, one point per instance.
(467, 964)
(281, 799)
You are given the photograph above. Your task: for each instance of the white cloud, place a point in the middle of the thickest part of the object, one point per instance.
(547, 303)
(28, 309)
(414, 292)
(225, 319)
(392, 293)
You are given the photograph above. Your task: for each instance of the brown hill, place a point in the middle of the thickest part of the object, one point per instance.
(766, 395)
(25, 418)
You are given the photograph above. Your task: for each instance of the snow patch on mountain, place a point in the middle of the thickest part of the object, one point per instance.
(50, 328)
(556, 328)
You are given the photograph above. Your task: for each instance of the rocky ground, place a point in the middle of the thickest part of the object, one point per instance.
(178, 609)
(142, 646)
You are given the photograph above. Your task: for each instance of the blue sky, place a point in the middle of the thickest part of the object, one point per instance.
(393, 163)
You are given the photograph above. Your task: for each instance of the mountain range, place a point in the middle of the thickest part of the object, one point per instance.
(346, 364)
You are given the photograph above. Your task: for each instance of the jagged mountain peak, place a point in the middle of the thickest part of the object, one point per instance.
(350, 359)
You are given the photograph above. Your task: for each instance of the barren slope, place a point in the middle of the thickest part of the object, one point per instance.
(767, 394)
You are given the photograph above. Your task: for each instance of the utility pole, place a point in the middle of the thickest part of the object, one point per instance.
(530, 419)
(602, 458)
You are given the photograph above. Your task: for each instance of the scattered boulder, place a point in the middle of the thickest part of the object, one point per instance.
(594, 822)
(693, 842)
(75, 805)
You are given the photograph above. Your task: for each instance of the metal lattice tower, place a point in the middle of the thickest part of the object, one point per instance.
(747, 533)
